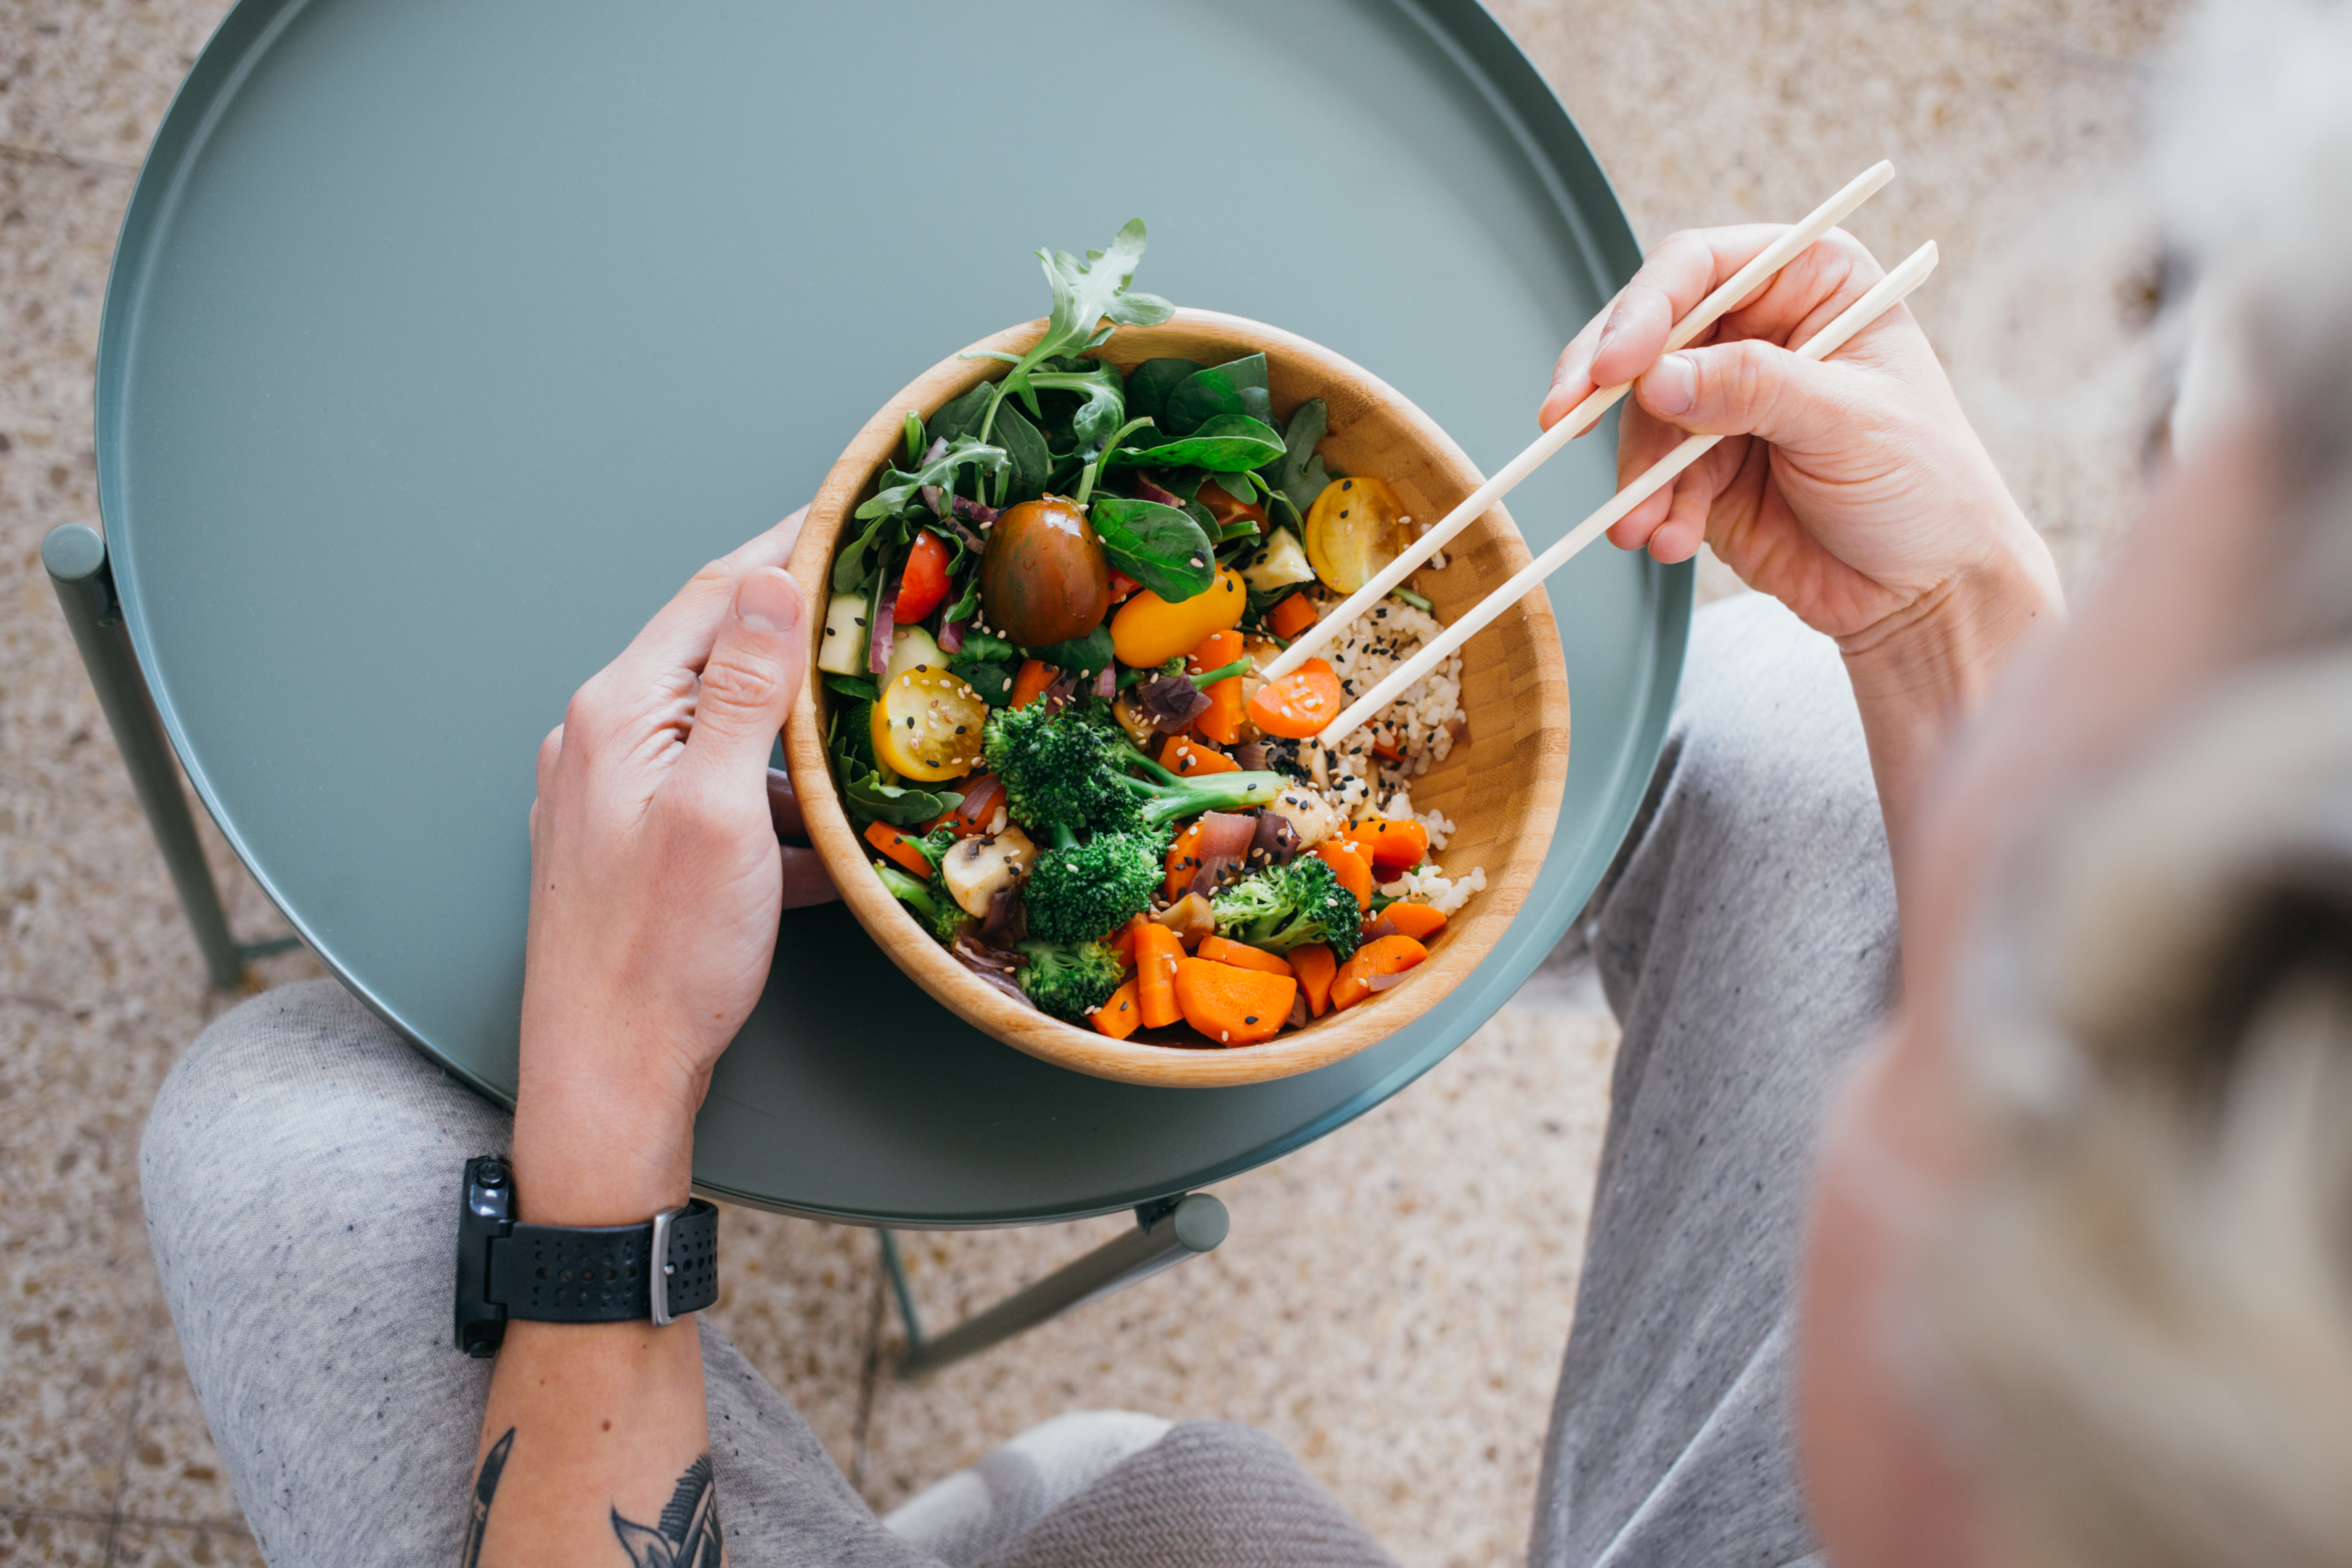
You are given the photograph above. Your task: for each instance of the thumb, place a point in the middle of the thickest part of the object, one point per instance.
(1747, 388)
(748, 684)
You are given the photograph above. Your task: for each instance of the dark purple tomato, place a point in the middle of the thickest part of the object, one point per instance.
(1043, 579)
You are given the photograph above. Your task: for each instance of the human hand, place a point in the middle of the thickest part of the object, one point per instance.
(1854, 490)
(657, 881)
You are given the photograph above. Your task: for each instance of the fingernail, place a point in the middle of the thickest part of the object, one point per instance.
(768, 600)
(1671, 386)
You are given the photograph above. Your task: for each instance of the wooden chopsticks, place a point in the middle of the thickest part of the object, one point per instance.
(1889, 291)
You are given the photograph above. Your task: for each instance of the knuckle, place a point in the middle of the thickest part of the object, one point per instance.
(738, 681)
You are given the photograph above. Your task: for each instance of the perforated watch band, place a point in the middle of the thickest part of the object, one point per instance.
(564, 1274)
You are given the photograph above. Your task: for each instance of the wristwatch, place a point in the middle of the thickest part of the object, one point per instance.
(663, 1269)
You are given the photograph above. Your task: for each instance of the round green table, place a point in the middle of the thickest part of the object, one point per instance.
(445, 340)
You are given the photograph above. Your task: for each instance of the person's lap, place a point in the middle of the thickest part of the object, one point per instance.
(300, 1177)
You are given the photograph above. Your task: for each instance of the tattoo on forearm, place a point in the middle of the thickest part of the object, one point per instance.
(685, 1536)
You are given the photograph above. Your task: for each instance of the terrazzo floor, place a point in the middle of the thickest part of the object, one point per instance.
(1393, 1300)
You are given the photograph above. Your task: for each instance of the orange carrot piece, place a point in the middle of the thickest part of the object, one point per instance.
(1190, 759)
(1382, 955)
(1418, 921)
(1232, 1006)
(1223, 721)
(898, 848)
(1315, 967)
(1183, 860)
(1157, 953)
(1396, 846)
(1119, 1016)
(1241, 955)
(1291, 616)
(1300, 704)
(1122, 941)
(1355, 873)
(1031, 683)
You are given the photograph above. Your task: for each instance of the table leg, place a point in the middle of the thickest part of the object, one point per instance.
(1166, 1232)
(75, 558)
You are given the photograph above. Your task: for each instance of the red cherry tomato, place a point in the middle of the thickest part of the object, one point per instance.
(926, 580)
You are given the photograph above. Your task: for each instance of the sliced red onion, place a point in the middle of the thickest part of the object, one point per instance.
(965, 507)
(935, 451)
(1297, 1010)
(1251, 754)
(931, 494)
(1146, 490)
(1382, 982)
(1106, 682)
(1274, 841)
(981, 955)
(1459, 728)
(952, 635)
(1007, 920)
(1171, 702)
(1223, 840)
(1061, 693)
(878, 635)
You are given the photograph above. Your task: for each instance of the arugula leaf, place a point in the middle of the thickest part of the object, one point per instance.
(898, 490)
(895, 803)
(1083, 656)
(1227, 444)
(1151, 383)
(1105, 403)
(850, 686)
(1085, 293)
(1237, 386)
(1159, 546)
(1032, 462)
(855, 567)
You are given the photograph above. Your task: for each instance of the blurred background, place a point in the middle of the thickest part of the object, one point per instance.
(1394, 1299)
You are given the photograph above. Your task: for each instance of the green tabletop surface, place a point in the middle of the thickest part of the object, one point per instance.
(445, 338)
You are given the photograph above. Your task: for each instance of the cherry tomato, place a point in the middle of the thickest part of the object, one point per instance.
(925, 583)
(1353, 530)
(928, 725)
(1045, 578)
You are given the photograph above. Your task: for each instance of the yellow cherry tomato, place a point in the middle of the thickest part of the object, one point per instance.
(1148, 630)
(928, 725)
(1353, 530)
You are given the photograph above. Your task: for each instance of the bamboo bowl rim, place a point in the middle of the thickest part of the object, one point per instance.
(1330, 1038)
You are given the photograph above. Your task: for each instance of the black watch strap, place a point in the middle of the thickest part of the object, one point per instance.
(605, 1274)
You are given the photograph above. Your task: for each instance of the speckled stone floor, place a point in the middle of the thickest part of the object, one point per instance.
(1393, 1300)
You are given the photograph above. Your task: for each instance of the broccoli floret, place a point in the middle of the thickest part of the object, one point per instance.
(1070, 980)
(1078, 892)
(1281, 907)
(932, 903)
(1067, 769)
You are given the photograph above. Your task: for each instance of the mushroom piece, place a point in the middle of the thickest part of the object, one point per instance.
(977, 869)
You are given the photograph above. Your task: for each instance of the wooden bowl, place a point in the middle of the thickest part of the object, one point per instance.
(1503, 788)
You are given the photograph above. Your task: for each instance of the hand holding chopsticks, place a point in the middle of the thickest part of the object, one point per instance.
(1881, 299)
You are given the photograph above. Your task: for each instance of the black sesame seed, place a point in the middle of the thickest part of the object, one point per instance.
(833, 631)
(1251, 1019)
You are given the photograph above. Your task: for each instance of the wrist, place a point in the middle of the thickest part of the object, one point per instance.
(1936, 658)
(589, 1153)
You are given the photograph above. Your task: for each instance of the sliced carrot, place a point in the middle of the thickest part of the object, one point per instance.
(1418, 921)
(1223, 721)
(1382, 955)
(898, 848)
(1291, 616)
(1031, 683)
(1189, 759)
(1122, 941)
(1183, 860)
(1232, 1006)
(1300, 704)
(1315, 967)
(1241, 955)
(1355, 873)
(1157, 954)
(1396, 847)
(1119, 1016)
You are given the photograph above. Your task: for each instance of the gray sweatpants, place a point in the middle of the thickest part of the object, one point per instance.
(297, 1176)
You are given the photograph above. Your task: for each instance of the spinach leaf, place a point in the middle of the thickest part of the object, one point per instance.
(1150, 383)
(1237, 386)
(1032, 462)
(961, 417)
(862, 556)
(895, 803)
(1308, 423)
(851, 740)
(899, 489)
(991, 680)
(850, 686)
(1242, 487)
(1227, 444)
(1082, 657)
(1104, 405)
(984, 645)
(1159, 546)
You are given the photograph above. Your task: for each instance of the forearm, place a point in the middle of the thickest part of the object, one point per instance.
(1921, 674)
(594, 1432)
